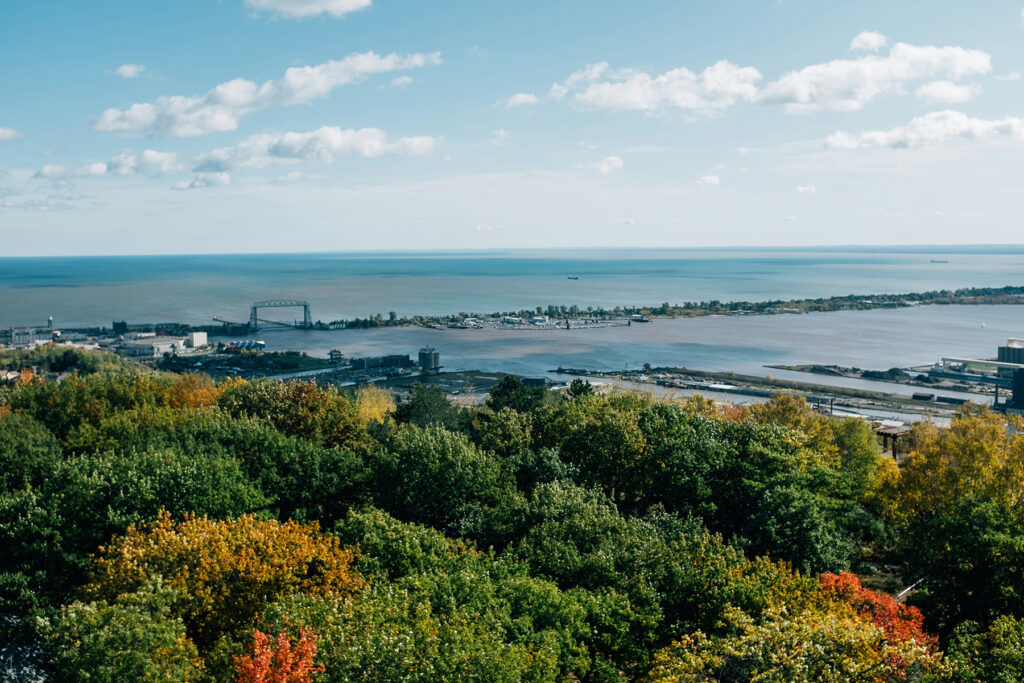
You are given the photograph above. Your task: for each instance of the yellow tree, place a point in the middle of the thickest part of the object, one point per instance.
(980, 455)
(224, 572)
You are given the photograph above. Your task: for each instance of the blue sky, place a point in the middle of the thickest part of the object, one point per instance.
(315, 125)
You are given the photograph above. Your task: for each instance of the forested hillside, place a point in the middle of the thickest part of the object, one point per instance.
(160, 527)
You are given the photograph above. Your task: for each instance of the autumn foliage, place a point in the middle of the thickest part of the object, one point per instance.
(540, 537)
(277, 660)
(225, 571)
(899, 622)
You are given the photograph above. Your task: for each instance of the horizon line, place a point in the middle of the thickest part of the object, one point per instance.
(506, 250)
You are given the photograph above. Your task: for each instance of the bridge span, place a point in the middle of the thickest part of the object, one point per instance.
(255, 320)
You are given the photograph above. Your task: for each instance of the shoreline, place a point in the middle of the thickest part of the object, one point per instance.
(575, 317)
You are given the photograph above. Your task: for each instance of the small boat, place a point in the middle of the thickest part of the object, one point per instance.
(574, 277)
(939, 261)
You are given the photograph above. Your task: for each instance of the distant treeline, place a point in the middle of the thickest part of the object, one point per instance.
(689, 309)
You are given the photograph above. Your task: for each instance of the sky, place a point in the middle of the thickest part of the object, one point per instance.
(232, 126)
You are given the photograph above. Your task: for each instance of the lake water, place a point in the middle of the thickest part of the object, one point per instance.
(876, 339)
(192, 289)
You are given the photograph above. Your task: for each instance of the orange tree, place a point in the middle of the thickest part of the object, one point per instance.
(224, 572)
(276, 660)
(900, 622)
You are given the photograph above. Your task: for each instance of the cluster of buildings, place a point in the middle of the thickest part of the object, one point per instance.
(1006, 371)
(24, 337)
(122, 340)
(429, 360)
(149, 345)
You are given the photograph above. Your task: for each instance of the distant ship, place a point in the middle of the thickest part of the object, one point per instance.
(934, 260)
(574, 277)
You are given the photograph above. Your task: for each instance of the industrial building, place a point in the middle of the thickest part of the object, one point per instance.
(1017, 402)
(151, 347)
(392, 361)
(19, 336)
(1012, 352)
(194, 340)
(430, 359)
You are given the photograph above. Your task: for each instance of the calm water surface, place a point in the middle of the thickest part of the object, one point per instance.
(193, 289)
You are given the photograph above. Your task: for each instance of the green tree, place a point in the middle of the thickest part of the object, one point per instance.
(579, 388)
(436, 477)
(28, 452)
(602, 439)
(133, 638)
(300, 409)
(505, 433)
(995, 654)
(393, 634)
(48, 533)
(510, 392)
(428, 406)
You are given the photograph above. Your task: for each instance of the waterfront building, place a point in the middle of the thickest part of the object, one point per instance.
(195, 339)
(151, 347)
(1012, 352)
(430, 359)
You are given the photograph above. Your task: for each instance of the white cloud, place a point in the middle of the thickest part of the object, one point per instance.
(868, 41)
(501, 137)
(203, 180)
(9, 134)
(608, 165)
(401, 81)
(576, 79)
(521, 99)
(130, 70)
(709, 181)
(322, 145)
(716, 87)
(1012, 76)
(840, 85)
(947, 92)
(849, 84)
(222, 107)
(932, 129)
(53, 172)
(806, 189)
(148, 162)
(306, 9)
(939, 214)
